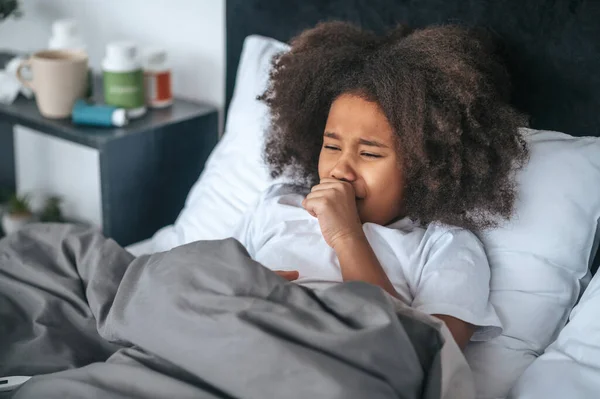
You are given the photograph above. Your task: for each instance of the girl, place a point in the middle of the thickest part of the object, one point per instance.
(397, 145)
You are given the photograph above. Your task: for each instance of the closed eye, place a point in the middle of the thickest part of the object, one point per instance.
(331, 147)
(370, 155)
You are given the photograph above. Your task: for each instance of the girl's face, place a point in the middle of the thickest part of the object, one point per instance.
(359, 147)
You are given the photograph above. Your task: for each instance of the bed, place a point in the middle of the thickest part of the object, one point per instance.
(542, 262)
(552, 50)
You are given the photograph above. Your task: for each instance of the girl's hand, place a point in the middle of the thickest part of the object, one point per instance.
(290, 275)
(333, 202)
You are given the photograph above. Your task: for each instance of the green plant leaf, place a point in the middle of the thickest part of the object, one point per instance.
(52, 211)
(19, 205)
(9, 8)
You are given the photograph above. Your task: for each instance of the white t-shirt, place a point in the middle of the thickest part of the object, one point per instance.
(439, 269)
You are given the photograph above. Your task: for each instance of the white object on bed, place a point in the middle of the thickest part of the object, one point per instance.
(570, 368)
(142, 247)
(234, 175)
(8, 384)
(539, 259)
(421, 263)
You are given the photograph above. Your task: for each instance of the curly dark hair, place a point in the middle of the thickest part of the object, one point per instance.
(444, 90)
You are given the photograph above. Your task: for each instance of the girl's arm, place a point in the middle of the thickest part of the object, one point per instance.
(359, 263)
(333, 203)
(461, 331)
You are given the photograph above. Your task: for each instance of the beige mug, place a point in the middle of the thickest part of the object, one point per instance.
(59, 78)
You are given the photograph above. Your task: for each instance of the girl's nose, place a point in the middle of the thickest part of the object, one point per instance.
(343, 171)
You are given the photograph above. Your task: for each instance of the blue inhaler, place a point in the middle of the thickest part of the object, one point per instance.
(98, 115)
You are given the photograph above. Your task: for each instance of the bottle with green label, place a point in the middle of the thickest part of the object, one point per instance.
(124, 78)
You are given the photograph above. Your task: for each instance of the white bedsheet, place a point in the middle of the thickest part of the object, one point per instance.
(570, 367)
(141, 248)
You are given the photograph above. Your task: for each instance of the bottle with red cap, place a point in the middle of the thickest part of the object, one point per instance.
(157, 79)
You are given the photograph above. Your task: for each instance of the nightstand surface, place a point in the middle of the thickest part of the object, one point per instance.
(25, 112)
(146, 168)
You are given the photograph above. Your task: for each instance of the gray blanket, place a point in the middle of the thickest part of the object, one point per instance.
(89, 320)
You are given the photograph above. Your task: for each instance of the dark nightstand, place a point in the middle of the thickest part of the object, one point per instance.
(146, 168)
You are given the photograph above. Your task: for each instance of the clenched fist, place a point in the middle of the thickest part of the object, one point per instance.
(333, 203)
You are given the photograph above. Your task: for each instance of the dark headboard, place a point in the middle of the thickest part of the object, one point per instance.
(553, 46)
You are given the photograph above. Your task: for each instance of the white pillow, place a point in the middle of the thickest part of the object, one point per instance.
(570, 367)
(540, 258)
(234, 174)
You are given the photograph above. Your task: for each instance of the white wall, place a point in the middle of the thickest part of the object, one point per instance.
(60, 168)
(192, 31)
